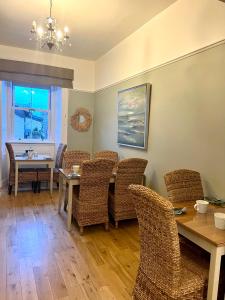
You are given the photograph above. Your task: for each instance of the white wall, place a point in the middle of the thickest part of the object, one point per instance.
(185, 26)
(3, 134)
(83, 69)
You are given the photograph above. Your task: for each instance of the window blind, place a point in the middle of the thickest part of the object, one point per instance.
(37, 74)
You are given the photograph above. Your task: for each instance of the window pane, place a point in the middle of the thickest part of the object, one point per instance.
(31, 97)
(30, 125)
(40, 99)
(39, 125)
(22, 96)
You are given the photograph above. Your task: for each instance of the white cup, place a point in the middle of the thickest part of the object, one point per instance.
(76, 168)
(201, 206)
(219, 219)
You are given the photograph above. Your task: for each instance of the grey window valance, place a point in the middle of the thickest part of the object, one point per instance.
(30, 73)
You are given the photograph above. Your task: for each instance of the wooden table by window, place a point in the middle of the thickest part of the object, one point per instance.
(200, 229)
(65, 177)
(39, 160)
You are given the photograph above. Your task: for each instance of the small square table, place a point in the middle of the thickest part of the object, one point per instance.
(38, 160)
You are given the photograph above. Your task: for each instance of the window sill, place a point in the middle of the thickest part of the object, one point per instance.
(31, 142)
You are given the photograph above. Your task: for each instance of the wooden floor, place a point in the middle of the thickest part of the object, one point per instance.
(39, 259)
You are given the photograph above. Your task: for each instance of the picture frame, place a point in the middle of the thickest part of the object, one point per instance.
(133, 116)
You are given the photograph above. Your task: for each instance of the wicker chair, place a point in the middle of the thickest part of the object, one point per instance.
(184, 185)
(164, 272)
(90, 201)
(74, 157)
(45, 174)
(129, 171)
(25, 175)
(112, 155)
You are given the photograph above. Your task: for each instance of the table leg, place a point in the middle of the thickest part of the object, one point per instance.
(16, 178)
(69, 206)
(51, 179)
(214, 273)
(60, 193)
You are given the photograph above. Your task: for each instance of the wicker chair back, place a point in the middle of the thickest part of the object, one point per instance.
(184, 185)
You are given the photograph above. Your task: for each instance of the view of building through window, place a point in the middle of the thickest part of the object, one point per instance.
(31, 113)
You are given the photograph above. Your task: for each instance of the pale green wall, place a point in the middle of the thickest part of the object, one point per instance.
(187, 120)
(80, 140)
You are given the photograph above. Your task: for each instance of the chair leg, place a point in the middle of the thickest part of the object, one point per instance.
(65, 205)
(9, 189)
(37, 186)
(34, 186)
(57, 185)
(81, 230)
(107, 226)
(116, 224)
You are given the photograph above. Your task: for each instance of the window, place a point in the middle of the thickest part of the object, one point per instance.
(31, 113)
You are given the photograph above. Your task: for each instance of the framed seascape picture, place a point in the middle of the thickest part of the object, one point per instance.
(133, 116)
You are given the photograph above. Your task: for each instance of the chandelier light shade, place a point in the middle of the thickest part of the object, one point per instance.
(49, 35)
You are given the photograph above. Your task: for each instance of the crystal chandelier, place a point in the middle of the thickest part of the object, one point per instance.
(50, 36)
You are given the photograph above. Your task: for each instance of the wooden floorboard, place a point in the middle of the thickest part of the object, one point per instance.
(40, 260)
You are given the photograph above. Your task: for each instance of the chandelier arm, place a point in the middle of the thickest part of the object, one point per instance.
(50, 11)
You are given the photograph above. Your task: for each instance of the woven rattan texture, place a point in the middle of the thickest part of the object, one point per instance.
(184, 185)
(24, 175)
(107, 155)
(90, 202)
(45, 174)
(129, 171)
(73, 157)
(163, 273)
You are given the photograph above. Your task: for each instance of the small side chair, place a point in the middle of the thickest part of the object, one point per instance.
(129, 171)
(107, 154)
(44, 174)
(74, 157)
(184, 185)
(165, 273)
(25, 175)
(90, 201)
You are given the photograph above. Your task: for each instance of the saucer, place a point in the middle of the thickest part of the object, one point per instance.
(219, 202)
(178, 211)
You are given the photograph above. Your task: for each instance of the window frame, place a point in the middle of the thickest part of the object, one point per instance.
(13, 108)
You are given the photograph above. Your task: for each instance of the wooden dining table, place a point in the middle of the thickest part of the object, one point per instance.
(200, 229)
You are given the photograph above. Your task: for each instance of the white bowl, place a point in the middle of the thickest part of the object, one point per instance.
(219, 220)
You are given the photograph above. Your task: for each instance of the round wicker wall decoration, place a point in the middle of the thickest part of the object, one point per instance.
(81, 120)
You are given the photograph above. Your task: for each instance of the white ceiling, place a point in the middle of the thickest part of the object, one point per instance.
(95, 26)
